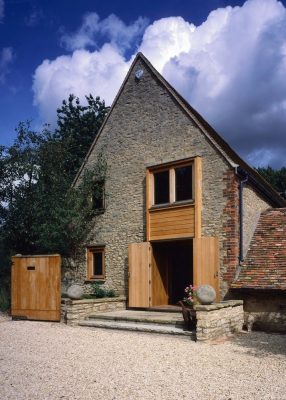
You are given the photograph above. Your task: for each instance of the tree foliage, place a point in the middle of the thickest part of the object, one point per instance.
(40, 212)
(77, 126)
(276, 177)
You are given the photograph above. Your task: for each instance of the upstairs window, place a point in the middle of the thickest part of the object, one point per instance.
(161, 187)
(97, 196)
(172, 185)
(184, 183)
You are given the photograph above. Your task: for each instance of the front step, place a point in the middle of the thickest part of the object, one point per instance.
(143, 321)
(138, 327)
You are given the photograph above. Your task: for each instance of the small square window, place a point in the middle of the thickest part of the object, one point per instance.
(95, 263)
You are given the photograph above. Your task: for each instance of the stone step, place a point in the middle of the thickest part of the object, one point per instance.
(145, 317)
(138, 327)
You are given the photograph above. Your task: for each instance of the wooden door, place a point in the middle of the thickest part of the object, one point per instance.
(139, 282)
(206, 262)
(160, 295)
(36, 292)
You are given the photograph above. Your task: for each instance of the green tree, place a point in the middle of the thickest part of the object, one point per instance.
(77, 126)
(39, 210)
(276, 177)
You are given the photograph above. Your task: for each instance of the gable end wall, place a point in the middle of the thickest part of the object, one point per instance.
(147, 127)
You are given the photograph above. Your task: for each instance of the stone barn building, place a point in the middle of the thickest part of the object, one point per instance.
(180, 206)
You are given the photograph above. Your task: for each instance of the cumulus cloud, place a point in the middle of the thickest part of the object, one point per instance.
(1, 10)
(231, 68)
(99, 72)
(6, 57)
(111, 28)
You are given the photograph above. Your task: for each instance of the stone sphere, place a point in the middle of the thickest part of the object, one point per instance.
(75, 292)
(206, 294)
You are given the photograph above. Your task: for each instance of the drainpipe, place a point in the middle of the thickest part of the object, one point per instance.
(241, 185)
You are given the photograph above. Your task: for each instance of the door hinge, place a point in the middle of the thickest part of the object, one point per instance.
(129, 274)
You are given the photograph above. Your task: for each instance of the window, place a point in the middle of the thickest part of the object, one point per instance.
(173, 184)
(95, 263)
(97, 196)
(161, 187)
(184, 183)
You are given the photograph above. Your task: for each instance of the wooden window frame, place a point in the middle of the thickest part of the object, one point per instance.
(172, 182)
(89, 257)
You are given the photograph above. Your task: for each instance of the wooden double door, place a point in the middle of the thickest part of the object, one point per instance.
(159, 271)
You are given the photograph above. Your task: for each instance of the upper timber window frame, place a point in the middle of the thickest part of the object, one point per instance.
(154, 173)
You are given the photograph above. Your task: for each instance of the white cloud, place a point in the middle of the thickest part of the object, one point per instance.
(231, 68)
(99, 73)
(6, 57)
(2, 6)
(111, 28)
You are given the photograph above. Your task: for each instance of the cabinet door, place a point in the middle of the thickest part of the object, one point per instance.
(206, 262)
(139, 259)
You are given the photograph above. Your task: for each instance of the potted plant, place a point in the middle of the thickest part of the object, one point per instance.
(187, 305)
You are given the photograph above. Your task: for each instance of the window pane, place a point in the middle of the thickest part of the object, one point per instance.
(98, 196)
(98, 263)
(184, 183)
(161, 187)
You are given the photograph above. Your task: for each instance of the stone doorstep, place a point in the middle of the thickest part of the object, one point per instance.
(138, 327)
(145, 318)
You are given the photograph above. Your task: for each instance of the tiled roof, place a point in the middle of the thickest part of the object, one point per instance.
(265, 263)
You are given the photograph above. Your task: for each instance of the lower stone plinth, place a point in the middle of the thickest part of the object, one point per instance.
(73, 311)
(219, 319)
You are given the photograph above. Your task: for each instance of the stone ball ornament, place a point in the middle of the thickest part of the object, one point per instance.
(75, 292)
(206, 294)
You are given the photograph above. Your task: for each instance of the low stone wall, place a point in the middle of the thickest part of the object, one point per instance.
(73, 311)
(264, 310)
(219, 319)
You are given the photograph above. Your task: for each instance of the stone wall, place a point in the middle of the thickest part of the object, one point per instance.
(253, 205)
(264, 310)
(220, 319)
(73, 311)
(147, 127)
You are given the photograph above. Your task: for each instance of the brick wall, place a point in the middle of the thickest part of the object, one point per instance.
(230, 230)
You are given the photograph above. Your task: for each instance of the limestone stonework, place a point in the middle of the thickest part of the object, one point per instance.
(220, 319)
(74, 311)
(265, 309)
(253, 206)
(148, 127)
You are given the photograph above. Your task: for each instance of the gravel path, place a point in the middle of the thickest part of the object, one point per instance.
(43, 360)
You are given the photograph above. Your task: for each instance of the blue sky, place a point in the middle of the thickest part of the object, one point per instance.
(227, 58)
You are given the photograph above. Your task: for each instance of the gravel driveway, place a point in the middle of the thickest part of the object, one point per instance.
(43, 360)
